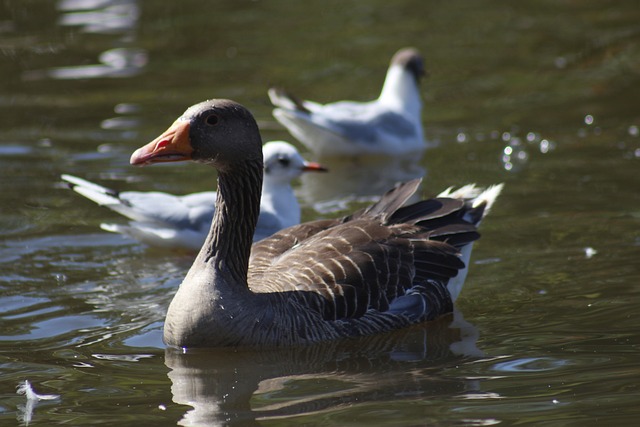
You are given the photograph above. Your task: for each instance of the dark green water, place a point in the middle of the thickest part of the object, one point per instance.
(541, 95)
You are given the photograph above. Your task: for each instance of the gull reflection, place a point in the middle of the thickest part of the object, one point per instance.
(362, 178)
(244, 386)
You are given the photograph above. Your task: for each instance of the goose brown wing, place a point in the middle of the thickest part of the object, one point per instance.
(342, 268)
(265, 251)
(345, 270)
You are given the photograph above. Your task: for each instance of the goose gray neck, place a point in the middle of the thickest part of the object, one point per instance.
(228, 245)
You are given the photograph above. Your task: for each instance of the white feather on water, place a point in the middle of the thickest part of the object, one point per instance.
(26, 411)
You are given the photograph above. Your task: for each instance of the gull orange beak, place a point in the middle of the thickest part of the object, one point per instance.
(173, 145)
(313, 167)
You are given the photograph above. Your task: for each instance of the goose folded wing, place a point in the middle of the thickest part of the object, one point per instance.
(344, 271)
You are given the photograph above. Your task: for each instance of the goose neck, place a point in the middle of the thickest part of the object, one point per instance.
(228, 245)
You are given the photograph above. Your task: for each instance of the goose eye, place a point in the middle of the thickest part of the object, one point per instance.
(212, 119)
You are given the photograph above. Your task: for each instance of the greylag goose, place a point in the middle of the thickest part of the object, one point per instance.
(379, 269)
(165, 220)
(391, 124)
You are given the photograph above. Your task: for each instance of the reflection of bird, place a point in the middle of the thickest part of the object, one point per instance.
(379, 269)
(165, 220)
(359, 178)
(391, 124)
(267, 384)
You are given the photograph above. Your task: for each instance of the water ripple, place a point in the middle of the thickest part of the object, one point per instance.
(531, 364)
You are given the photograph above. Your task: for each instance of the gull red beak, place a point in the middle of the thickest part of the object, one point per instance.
(173, 145)
(313, 167)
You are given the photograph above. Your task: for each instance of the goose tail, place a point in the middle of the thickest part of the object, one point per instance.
(479, 203)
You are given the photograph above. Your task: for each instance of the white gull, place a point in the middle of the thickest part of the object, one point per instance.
(391, 124)
(166, 220)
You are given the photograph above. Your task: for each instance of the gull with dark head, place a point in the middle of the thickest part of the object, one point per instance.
(391, 124)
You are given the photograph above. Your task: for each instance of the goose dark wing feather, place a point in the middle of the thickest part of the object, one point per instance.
(427, 210)
(392, 200)
(434, 259)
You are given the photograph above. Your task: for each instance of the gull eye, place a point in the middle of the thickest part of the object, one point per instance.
(284, 161)
(212, 119)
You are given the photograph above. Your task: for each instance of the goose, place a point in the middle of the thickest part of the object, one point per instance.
(390, 125)
(379, 269)
(166, 220)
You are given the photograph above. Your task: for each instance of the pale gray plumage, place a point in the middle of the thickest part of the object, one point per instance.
(379, 269)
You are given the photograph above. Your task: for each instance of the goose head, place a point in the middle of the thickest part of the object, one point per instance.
(218, 132)
(222, 134)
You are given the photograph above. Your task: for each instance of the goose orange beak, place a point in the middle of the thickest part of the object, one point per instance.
(173, 145)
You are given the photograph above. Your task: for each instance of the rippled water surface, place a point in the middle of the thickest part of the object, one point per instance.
(541, 95)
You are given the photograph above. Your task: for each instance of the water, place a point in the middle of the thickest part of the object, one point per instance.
(541, 95)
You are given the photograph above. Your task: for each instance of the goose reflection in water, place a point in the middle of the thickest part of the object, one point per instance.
(242, 386)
